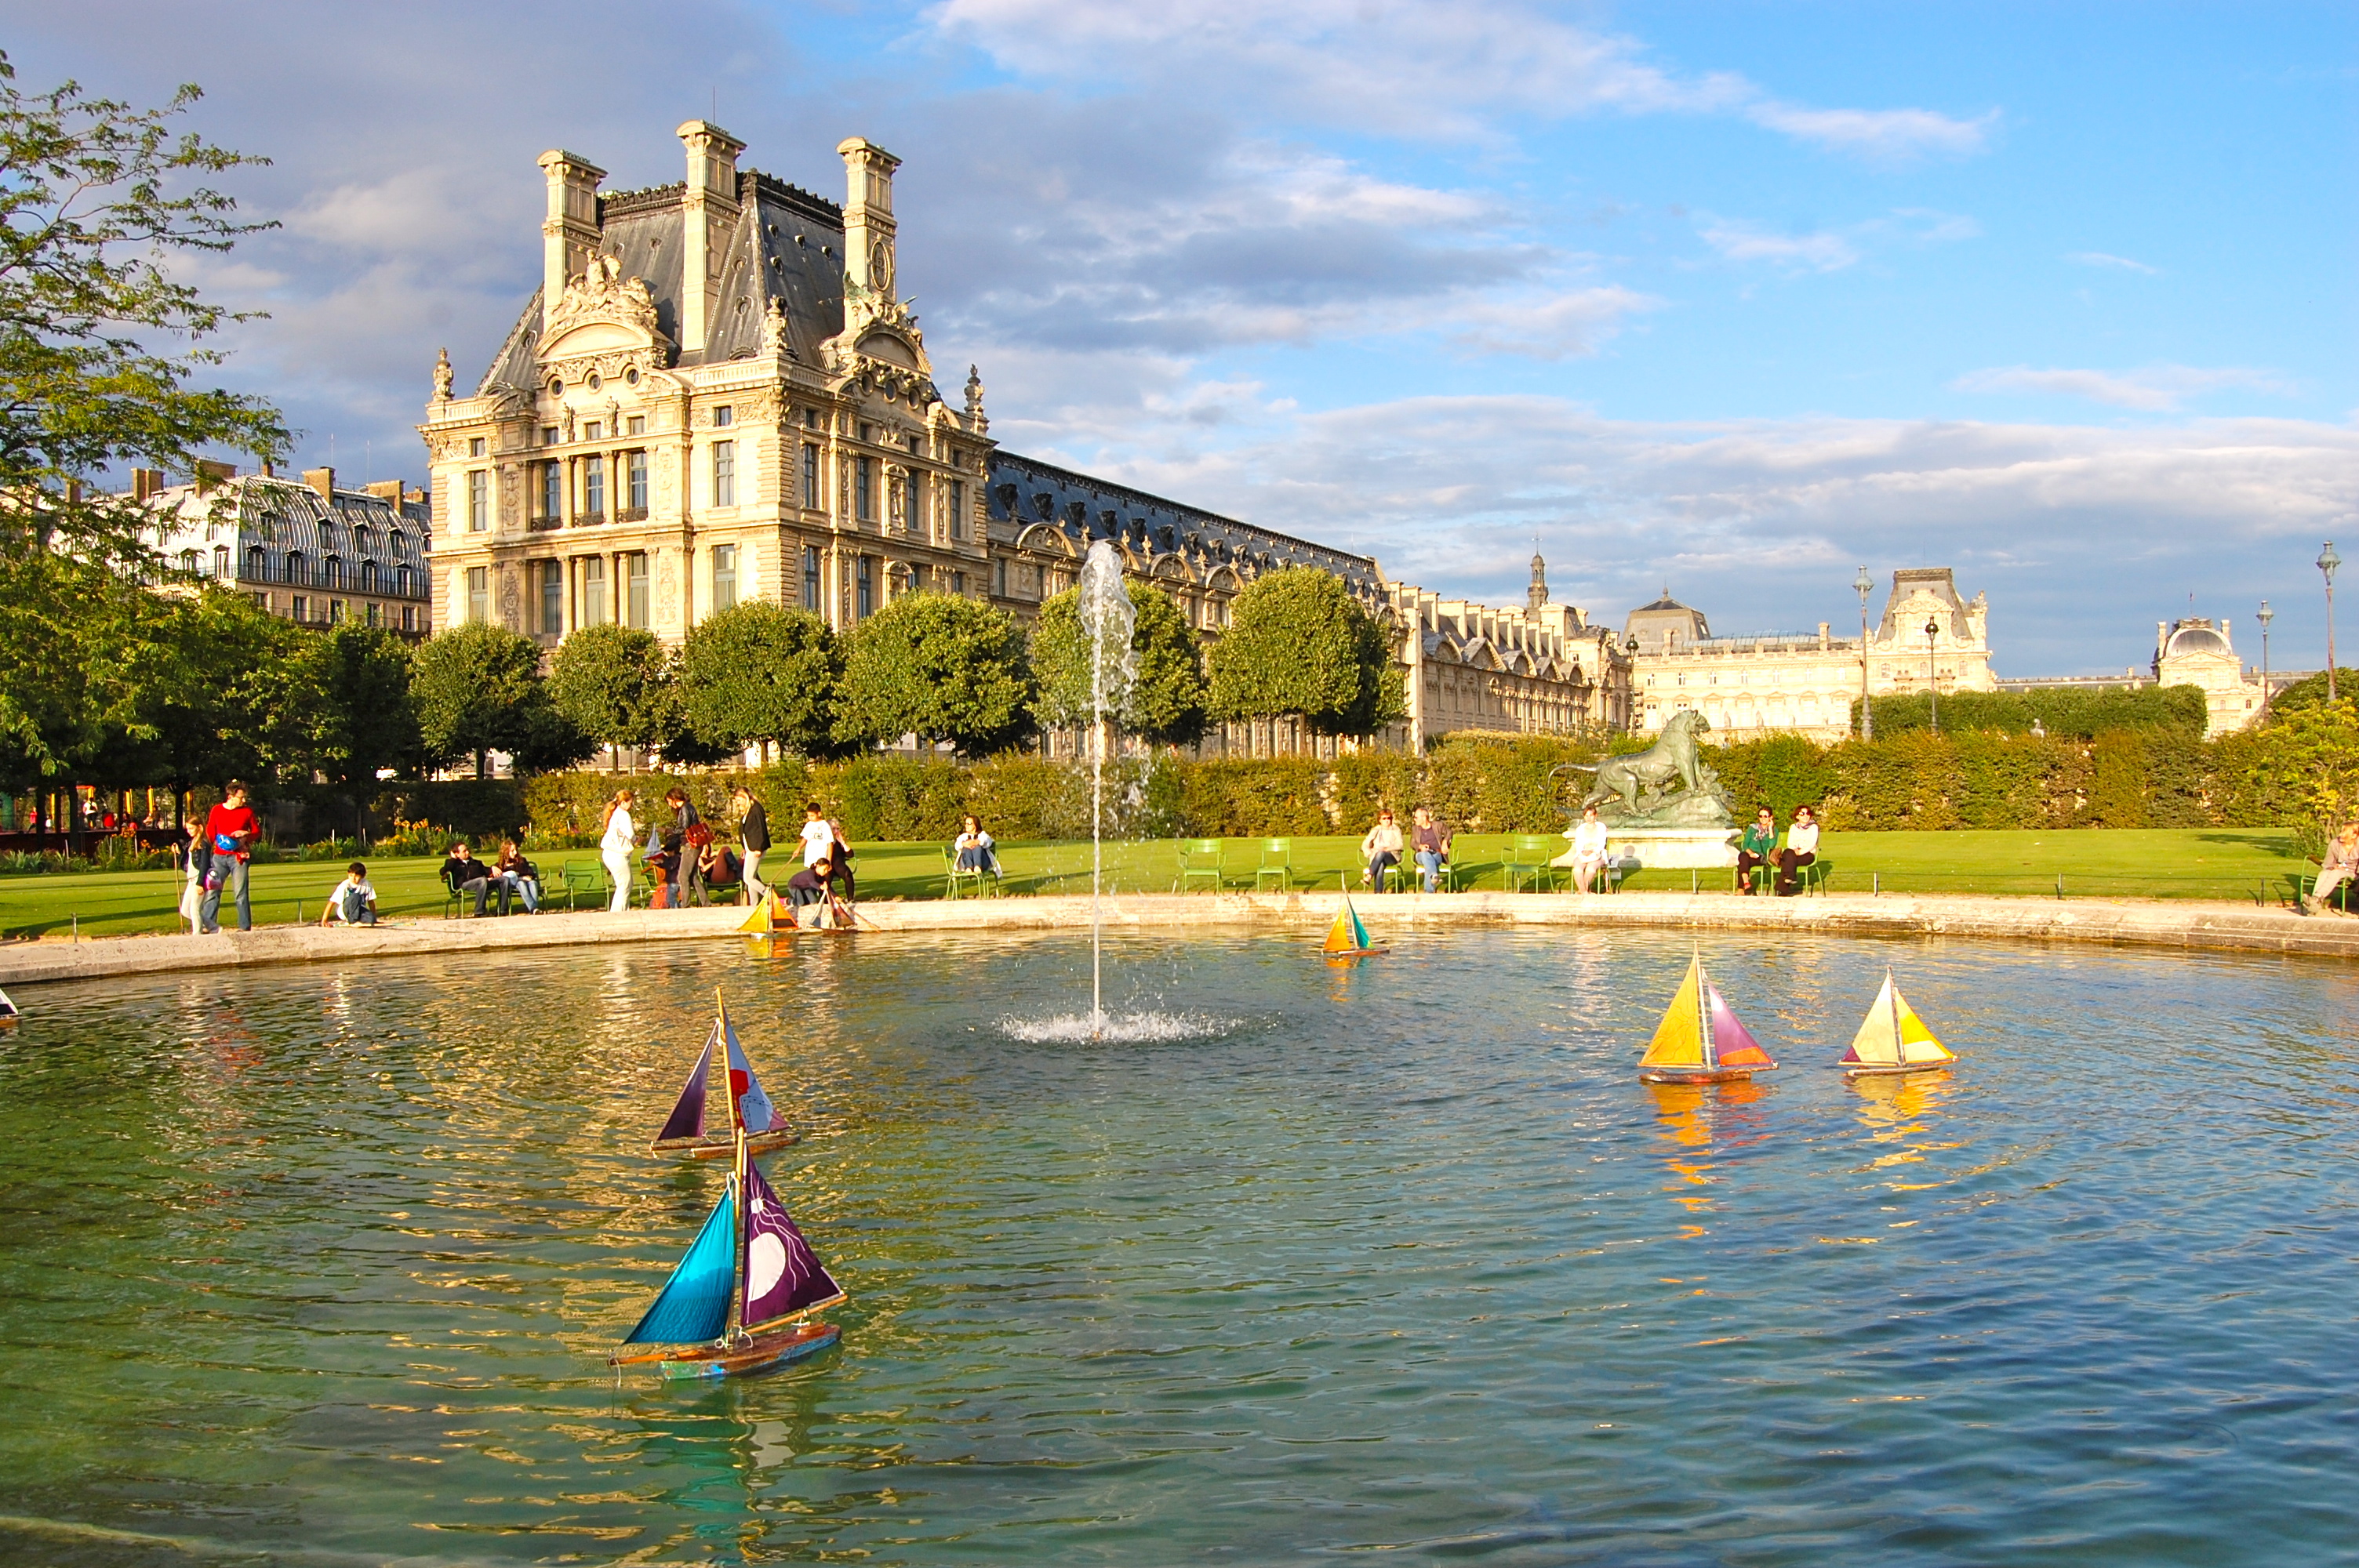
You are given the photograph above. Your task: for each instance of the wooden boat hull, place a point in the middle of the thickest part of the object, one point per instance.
(763, 1353)
(1697, 1074)
(712, 1147)
(1353, 953)
(1893, 1069)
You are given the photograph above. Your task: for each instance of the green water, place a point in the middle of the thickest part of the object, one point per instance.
(310, 1265)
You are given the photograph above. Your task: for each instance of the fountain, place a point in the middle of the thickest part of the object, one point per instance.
(1107, 620)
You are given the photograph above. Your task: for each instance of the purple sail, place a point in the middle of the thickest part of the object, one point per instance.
(782, 1273)
(688, 1116)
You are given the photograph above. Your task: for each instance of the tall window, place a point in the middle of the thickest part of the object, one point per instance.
(257, 566)
(553, 491)
(810, 576)
(189, 562)
(596, 607)
(635, 590)
(331, 572)
(221, 560)
(368, 577)
(479, 500)
(552, 598)
(810, 477)
(864, 576)
(999, 579)
(863, 489)
(724, 576)
(724, 470)
(401, 581)
(958, 509)
(635, 472)
(299, 570)
(373, 615)
(479, 594)
(593, 487)
(335, 611)
(299, 609)
(410, 618)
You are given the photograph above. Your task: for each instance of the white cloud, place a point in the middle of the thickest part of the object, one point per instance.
(1569, 324)
(2099, 258)
(1883, 133)
(1740, 241)
(2155, 389)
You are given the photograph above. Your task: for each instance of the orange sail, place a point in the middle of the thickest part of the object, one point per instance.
(1347, 936)
(1700, 1039)
(1893, 1039)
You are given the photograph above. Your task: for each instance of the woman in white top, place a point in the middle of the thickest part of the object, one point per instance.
(1801, 849)
(1380, 848)
(617, 848)
(1588, 837)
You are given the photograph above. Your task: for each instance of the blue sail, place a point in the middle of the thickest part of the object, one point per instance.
(694, 1306)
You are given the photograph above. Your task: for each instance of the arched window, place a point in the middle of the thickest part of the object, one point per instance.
(189, 562)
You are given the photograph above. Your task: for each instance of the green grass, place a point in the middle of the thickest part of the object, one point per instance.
(2215, 863)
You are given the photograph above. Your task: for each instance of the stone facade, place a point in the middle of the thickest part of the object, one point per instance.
(1806, 684)
(1540, 668)
(312, 552)
(2196, 650)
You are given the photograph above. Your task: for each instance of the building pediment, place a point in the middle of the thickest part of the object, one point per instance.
(606, 321)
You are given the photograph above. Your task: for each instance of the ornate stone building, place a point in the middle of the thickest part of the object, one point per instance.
(1806, 683)
(1537, 669)
(718, 393)
(2196, 650)
(312, 552)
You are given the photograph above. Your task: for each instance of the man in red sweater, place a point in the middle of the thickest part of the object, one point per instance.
(230, 831)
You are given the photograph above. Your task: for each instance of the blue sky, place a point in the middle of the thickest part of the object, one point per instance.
(1730, 297)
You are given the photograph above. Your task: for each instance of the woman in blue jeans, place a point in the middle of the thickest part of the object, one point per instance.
(1430, 842)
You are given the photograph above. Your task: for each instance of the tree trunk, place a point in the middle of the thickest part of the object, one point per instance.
(483, 765)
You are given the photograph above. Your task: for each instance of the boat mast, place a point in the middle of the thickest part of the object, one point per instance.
(737, 1257)
(1704, 1013)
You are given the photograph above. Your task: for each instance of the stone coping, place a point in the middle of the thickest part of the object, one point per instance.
(2184, 923)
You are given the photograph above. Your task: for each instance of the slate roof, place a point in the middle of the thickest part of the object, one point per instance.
(787, 245)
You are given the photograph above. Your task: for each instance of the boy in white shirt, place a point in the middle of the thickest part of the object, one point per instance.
(818, 837)
(353, 901)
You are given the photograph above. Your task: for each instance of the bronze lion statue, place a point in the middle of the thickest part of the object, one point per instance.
(1650, 773)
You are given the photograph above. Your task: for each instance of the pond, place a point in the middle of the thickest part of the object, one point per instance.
(321, 1264)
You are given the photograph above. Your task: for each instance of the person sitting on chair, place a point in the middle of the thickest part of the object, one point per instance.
(972, 852)
(1381, 848)
(464, 874)
(2339, 865)
(1801, 849)
(1428, 842)
(1588, 837)
(1757, 848)
(715, 865)
(522, 874)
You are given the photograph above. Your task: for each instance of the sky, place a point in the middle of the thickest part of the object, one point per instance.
(1727, 298)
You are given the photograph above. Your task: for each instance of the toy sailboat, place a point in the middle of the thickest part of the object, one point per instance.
(1347, 938)
(8, 1013)
(1893, 1039)
(735, 1303)
(1700, 1040)
(763, 918)
(750, 1110)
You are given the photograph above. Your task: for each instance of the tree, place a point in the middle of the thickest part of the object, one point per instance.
(371, 721)
(478, 690)
(1299, 646)
(2311, 691)
(91, 379)
(938, 667)
(612, 683)
(758, 672)
(1165, 700)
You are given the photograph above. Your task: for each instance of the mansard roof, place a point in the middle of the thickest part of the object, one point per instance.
(786, 245)
(1025, 493)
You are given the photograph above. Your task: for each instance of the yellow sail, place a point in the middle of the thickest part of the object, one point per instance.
(1917, 1041)
(1346, 936)
(1877, 1044)
(1679, 1039)
(763, 918)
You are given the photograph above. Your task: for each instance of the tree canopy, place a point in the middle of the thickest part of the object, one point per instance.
(612, 683)
(1167, 697)
(942, 668)
(2311, 691)
(2058, 711)
(757, 672)
(478, 690)
(1299, 646)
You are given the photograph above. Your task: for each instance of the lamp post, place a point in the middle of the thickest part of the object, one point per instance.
(1932, 680)
(2327, 561)
(2264, 617)
(1864, 585)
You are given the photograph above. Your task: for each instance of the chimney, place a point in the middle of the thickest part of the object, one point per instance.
(385, 490)
(210, 473)
(707, 213)
(569, 235)
(868, 216)
(145, 483)
(323, 481)
(2161, 637)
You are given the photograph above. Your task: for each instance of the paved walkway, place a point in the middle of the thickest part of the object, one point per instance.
(2148, 923)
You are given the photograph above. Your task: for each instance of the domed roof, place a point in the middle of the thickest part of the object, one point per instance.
(2197, 640)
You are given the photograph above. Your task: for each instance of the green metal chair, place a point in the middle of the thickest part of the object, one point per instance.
(981, 880)
(1277, 861)
(1527, 859)
(1200, 860)
(586, 876)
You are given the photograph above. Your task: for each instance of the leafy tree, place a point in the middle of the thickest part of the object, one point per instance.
(759, 673)
(1299, 644)
(370, 721)
(612, 683)
(2311, 691)
(942, 668)
(478, 690)
(99, 347)
(2058, 711)
(1165, 700)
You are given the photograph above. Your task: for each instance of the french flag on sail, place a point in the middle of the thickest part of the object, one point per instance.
(754, 1109)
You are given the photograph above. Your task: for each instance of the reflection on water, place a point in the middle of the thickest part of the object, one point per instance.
(320, 1264)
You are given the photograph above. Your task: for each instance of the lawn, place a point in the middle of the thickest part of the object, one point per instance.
(2218, 863)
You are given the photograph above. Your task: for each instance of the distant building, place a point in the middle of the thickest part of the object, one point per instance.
(1540, 668)
(1806, 683)
(313, 552)
(2193, 650)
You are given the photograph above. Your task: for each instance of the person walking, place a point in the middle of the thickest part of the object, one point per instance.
(615, 848)
(752, 841)
(1801, 849)
(1754, 851)
(231, 829)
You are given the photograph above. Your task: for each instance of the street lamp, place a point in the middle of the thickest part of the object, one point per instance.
(1932, 682)
(2327, 561)
(1864, 585)
(2264, 617)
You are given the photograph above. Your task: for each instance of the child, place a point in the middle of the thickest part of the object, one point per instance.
(354, 900)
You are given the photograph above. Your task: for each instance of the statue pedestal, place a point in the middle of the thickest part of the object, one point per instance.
(1673, 849)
